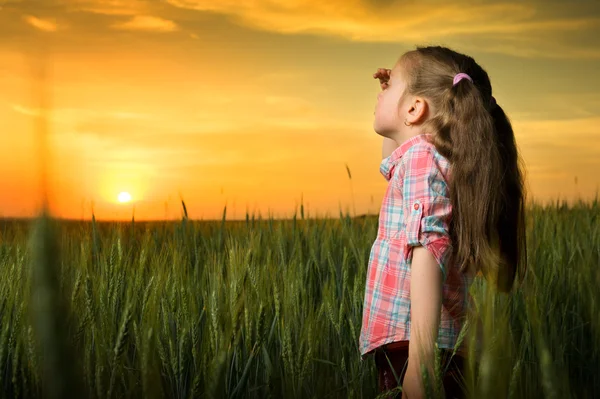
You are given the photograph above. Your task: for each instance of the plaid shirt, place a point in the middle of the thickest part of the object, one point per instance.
(415, 211)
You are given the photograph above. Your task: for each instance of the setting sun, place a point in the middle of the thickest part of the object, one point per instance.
(124, 197)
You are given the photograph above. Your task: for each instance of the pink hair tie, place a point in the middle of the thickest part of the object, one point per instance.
(459, 77)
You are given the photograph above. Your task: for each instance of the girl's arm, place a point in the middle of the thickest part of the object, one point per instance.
(389, 146)
(425, 310)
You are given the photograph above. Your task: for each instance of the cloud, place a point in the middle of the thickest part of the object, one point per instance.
(557, 146)
(110, 7)
(521, 29)
(561, 133)
(147, 23)
(485, 26)
(41, 24)
(550, 50)
(74, 116)
(400, 22)
(25, 110)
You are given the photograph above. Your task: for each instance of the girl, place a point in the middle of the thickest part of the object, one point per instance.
(454, 207)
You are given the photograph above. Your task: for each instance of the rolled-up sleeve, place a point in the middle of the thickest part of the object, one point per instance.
(386, 167)
(426, 203)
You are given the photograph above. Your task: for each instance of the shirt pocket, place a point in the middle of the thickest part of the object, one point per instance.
(413, 223)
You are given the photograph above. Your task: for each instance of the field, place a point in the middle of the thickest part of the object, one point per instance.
(266, 308)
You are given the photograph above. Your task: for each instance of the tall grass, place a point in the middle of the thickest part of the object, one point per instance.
(265, 308)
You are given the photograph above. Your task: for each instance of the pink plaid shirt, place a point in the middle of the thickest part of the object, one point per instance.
(415, 211)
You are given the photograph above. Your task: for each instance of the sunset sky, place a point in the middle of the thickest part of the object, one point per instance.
(255, 103)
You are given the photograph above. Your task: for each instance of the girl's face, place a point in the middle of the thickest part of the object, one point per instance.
(389, 110)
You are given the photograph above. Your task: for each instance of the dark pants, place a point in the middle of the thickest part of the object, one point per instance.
(398, 356)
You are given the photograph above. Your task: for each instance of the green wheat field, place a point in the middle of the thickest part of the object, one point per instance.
(269, 309)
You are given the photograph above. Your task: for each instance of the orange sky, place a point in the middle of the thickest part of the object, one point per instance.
(256, 103)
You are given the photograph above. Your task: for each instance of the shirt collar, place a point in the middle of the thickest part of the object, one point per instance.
(402, 148)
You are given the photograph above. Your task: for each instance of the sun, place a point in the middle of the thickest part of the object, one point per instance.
(124, 197)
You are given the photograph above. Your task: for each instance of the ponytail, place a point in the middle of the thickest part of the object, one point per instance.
(464, 122)
(511, 220)
(486, 186)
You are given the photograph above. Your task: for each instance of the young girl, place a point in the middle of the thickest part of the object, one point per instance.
(454, 207)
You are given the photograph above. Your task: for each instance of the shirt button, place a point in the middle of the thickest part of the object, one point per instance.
(416, 207)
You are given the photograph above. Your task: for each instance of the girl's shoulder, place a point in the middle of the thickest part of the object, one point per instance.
(423, 161)
(423, 150)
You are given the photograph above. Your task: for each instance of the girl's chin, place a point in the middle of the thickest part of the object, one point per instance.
(378, 129)
(380, 133)
(386, 133)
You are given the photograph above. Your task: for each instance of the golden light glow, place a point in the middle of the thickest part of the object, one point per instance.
(124, 197)
(142, 120)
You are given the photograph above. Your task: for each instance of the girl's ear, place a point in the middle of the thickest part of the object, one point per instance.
(417, 111)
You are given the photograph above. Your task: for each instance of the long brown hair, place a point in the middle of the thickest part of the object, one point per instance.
(486, 182)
